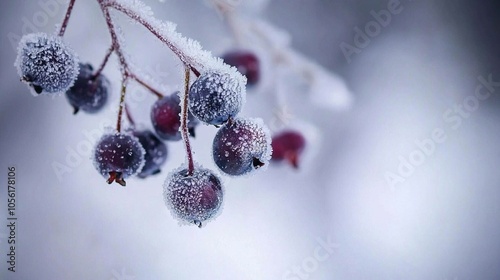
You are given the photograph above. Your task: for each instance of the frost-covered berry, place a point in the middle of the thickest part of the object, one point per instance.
(215, 97)
(155, 152)
(88, 94)
(118, 156)
(247, 64)
(46, 63)
(242, 146)
(288, 145)
(194, 198)
(165, 116)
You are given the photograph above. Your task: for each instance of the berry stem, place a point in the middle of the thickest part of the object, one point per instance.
(142, 83)
(184, 122)
(104, 62)
(66, 18)
(122, 104)
(185, 59)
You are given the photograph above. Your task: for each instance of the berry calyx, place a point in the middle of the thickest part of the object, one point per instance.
(155, 152)
(118, 156)
(46, 64)
(247, 64)
(242, 146)
(194, 198)
(165, 117)
(89, 93)
(215, 97)
(288, 145)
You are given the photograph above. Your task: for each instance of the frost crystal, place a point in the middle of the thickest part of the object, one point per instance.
(195, 198)
(118, 153)
(242, 146)
(46, 63)
(215, 97)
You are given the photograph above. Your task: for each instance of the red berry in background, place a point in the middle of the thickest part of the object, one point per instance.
(288, 145)
(247, 64)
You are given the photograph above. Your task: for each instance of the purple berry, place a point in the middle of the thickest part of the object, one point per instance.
(194, 198)
(88, 94)
(242, 146)
(288, 145)
(155, 152)
(165, 116)
(247, 64)
(215, 97)
(46, 64)
(118, 156)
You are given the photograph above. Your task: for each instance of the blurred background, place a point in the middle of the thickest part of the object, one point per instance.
(401, 183)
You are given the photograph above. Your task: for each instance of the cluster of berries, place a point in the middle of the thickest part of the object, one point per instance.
(241, 145)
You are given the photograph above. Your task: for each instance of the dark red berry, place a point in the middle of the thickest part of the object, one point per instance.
(118, 156)
(288, 145)
(241, 146)
(155, 152)
(247, 64)
(194, 198)
(89, 93)
(215, 97)
(165, 116)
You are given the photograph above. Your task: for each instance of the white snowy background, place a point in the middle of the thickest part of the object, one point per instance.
(441, 223)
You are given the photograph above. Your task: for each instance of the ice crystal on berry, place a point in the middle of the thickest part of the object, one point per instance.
(194, 198)
(242, 146)
(118, 156)
(215, 97)
(46, 64)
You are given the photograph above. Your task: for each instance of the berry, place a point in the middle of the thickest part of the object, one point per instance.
(242, 146)
(46, 64)
(87, 93)
(288, 145)
(155, 152)
(215, 97)
(118, 156)
(165, 116)
(194, 198)
(247, 64)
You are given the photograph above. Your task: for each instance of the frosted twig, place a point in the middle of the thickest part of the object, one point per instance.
(104, 62)
(184, 122)
(66, 18)
(122, 104)
(144, 84)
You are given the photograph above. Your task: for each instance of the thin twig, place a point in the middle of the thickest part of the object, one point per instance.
(142, 83)
(122, 104)
(139, 19)
(184, 122)
(66, 18)
(104, 62)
